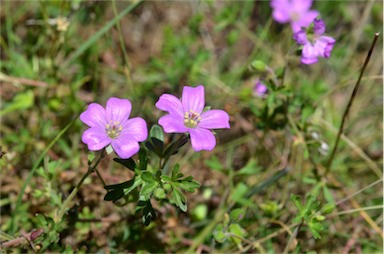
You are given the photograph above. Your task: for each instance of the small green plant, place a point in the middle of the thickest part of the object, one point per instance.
(311, 214)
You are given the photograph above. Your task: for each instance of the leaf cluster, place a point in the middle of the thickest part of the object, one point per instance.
(311, 213)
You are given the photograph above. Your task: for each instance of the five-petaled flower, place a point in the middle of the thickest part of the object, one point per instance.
(111, 126)
(297, 12)
(187, 115)
(315, 44)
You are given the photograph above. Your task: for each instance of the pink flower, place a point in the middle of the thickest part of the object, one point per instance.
(315, 44)
(297, 12)
(186, 115)
(111, 126)
(260, 89)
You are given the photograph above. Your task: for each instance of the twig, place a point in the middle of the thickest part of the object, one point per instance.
(351, 99)
(24, 239)
(359, 191)
(352, 241)
(293, 236)
(23, 81)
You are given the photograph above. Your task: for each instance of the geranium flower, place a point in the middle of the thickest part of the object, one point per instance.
(187, 116)
(315, 44)
(111, 126)
(297, 12)
(260, 89)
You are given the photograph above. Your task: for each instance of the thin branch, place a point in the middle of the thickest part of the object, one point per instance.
(25, 239)
(351, 99)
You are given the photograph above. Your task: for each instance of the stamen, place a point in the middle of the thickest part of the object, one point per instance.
(113, 129)
(191, 119)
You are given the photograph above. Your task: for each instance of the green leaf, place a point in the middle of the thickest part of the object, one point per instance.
(155, 145)
(315, 227)
(258, 65)
(137, 182)
(296, 200)
(236, 229)
(166, 178)
(114, 195)
(174, 147)
(239, 192)
(176, 173)
(148, 188)
(148, 177)
(251, 168)
(149, 214)
(20, 102)
(218, 234)
(179, 199)
(123, 185)
(265, 184)
(189, 186)
(327, 208)
(200, 211)
(91, 157)
(157, 132)
(159, 193)
(143, 158)
(237, 214)
(128, 163)
(328, 195)
(214, 163)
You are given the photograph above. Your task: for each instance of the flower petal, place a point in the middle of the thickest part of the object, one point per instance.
(202, 139)
(118, 109)
(281, 10)
(305, 20)
(170, 104)
(96, 138)
(214, 119)
(300, 37)
(173, 123)
(193, 98)
(318, 26)
(301, 6)
(125, 147)
(94, 116)
(136, 129)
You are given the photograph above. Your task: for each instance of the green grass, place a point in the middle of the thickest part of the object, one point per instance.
(140, 50)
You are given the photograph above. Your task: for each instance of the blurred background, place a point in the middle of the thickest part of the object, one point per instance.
(59, 56)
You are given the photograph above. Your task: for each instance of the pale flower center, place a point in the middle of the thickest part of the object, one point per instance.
(113, 129)
(191, 119)
(295, 16)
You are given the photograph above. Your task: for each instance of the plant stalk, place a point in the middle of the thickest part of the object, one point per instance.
(351, 99)
(91, 168)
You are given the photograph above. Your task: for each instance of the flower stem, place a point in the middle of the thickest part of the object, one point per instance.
(91, 168)
(351, 99)
(175, 146)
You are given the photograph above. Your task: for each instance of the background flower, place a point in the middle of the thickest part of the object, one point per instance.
(112, 126)
(315, 44)
(260, 89)
(297, 12)
(186, 115)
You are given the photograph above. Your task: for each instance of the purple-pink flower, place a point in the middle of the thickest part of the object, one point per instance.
(315, 43)
(297, 12)
(187, 116)
(111, 126)
(260, 89)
